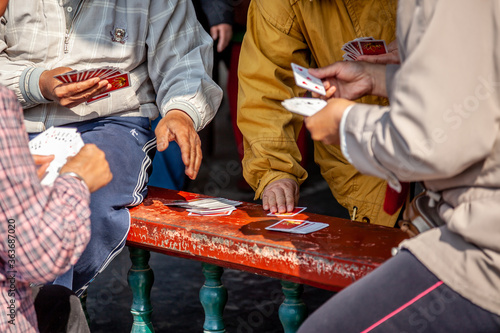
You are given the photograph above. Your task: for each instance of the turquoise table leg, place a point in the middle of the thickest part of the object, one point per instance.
(140, 279)
(213, 297)
(83, 300)
(292, 311)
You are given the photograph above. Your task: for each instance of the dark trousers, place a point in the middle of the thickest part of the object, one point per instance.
(59, 310)
(414, 301)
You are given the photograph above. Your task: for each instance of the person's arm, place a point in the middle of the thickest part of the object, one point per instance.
(50, 226)
(444, 111)
(266, 79)
(179, 62)
(34, 85)
(220, 16)
(218, 11)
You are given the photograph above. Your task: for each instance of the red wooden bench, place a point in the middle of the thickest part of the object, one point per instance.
(331, 258)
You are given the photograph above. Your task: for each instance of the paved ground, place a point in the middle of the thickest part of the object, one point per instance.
(253, 300)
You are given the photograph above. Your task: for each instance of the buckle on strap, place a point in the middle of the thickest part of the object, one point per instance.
(422, 213)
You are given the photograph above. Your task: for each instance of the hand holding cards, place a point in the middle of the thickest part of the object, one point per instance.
(305, 106)
(116, 77)
(60, 142)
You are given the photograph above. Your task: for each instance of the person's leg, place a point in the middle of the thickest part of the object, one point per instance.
(128, 144)
(58, 310)
(168, 168)
(414, 301)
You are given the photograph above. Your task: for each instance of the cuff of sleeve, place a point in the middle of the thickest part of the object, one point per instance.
(390, 75)
(343, 144)
(30, 87)
(359, 126)
(71, 175)
(186, 107)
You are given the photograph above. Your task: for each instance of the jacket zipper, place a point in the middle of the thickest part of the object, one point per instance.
(70, 29)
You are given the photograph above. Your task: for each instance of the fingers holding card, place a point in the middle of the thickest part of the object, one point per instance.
(116, 77)
(307, 81)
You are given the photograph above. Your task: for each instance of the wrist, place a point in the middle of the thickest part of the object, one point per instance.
(29, 85)
(378, 77)
(74, 175)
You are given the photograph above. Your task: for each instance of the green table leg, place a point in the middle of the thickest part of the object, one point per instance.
(83, 301)
(213, 297)
(140, 279)
(292, 311)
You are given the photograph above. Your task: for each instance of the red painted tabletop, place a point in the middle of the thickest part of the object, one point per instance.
(330, 258)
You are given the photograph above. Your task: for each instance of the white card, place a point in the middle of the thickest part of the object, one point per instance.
(60, 142)
(305, 80)
(305, 106)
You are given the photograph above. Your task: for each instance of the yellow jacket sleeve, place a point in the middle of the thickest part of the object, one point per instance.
(270, 131)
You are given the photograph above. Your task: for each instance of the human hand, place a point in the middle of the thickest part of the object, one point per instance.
(178, 126)
(324, 125)
(42, 162)
(90, 164)
(223, 33)
(391, 57)
(281, 196)
(351, 79)
(70, 94)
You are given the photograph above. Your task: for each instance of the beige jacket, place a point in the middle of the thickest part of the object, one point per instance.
(443, 127)
(311, 34)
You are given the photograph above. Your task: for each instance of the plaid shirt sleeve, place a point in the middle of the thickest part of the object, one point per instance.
(51, 224)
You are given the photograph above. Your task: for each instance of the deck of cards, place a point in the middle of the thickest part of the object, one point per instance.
(116, 77)
(305, 106)
(307, 81)
(207, 207)
(60, 142)
(297, 226)
(363, 46)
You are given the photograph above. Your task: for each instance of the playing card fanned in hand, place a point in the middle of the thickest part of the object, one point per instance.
(363, 46)
(60, 142)
(116, 77)
(305, 106)
(305, 80)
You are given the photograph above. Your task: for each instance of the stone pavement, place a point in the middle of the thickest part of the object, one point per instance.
(253, 300)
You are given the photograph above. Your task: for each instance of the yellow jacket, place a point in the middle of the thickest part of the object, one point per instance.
(310, 33)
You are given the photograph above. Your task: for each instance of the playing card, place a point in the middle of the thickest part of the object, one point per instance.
(60, 142)
(363, 46)
(304, 106)
(372, 47)
(285, 225)
(62, 78)
(215, 212)
(85, 74)
(305, 80)
(297, 226)
(120, 81)
(296, 211)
